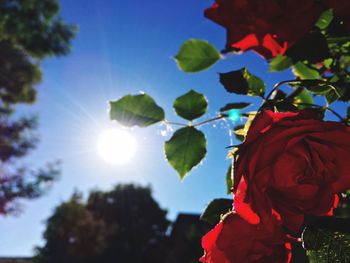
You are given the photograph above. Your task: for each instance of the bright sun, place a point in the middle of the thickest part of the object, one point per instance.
(116, 146)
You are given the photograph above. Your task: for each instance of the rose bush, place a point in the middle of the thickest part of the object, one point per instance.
(269, 27)
(291, 164)
(235, 240)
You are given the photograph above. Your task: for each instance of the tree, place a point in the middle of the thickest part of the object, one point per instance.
(29, 31)
(122, 225)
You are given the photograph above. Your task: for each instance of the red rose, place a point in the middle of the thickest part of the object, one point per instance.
(291, 164)
(236, 241)
(269, 27)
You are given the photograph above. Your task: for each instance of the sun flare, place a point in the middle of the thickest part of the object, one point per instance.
(116, 147)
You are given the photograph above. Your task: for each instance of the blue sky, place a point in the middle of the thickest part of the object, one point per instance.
(126, 47)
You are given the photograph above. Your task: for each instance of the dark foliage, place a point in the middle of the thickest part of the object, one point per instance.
(123, 225)
(29, 31)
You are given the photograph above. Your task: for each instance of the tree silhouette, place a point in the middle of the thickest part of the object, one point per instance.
(29, 31)
(123, 225)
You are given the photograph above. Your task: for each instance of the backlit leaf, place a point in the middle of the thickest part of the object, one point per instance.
(190, 106)
(303, 99)
(280, 63)
(185, 149)
(196, 55)
(304, 72)
(136, 110)
(325, 19)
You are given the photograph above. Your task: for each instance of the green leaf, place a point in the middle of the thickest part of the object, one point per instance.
(196, 55)
(242, 82)
(319, 89)
(191, 106)
(280, 63)
(235, 105)
(185, 149)
(136, 110)
(256, 85)
(304, 72)
(325, 19)
(328, 63)
(327, 240)
(229, 180)
(303, 97)
(216, 208)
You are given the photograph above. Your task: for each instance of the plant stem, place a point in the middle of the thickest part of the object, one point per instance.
(280, 84)
(295, 81)
(221, 116)
(326, 108)
(175, 123)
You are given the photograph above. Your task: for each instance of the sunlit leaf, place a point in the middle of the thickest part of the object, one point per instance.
(185, 149)
(191, 105)
(241, 130)
(256, 85)
(136, 110)
(303, 100)
(328, 62)
(196, 55)
(280, 63)
(304, 72)
(218, 207)
(325, 19)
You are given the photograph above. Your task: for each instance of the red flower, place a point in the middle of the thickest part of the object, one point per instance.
(269, 27)
(236, 241)
(291, 164)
